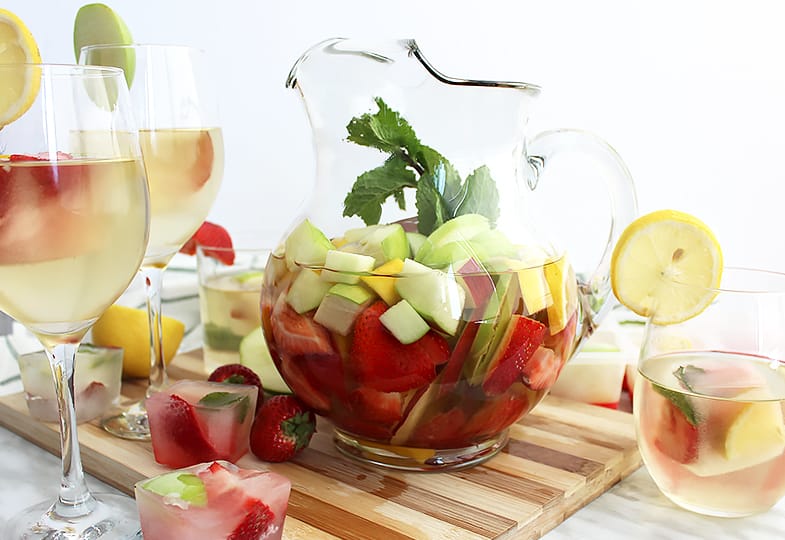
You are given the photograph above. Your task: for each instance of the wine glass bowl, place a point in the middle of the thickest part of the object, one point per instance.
(709, 404)
(74, 223)
(182, 146)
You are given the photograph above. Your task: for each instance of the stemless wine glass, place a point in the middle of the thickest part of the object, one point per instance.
(74, 223)
(182, 145)
(710, 402)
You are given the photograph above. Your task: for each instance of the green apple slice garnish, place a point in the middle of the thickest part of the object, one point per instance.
(98, 24)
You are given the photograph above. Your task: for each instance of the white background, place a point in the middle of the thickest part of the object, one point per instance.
(691, 94)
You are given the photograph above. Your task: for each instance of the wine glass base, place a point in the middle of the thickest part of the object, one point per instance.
(418, 459)
(130, 423)
(115, 518)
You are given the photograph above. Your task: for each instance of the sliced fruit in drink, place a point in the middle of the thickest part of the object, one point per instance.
(404, 322)
(382, 242)
(513, 358)
(675, 432)
(383, 283)
(345, 267)
(307, 291)
(20, 86)
(435, 295)
(255, 355)
(657, 254)
(298, 335)
(563, 289)
(306, 245)
(757, 434)
(341, 306)
(383, 363)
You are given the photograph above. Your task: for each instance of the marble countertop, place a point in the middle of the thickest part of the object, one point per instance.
(633, 508)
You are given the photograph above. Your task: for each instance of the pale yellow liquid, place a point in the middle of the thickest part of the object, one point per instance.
(230, 311)
(66, 255)
(184, 170)
(714, 482)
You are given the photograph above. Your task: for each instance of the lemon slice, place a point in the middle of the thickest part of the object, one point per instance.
(20, 87)
(655, 255)
(757, 434)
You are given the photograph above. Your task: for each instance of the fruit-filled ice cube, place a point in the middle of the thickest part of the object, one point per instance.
(215, 501)
(196, 421)
(97, 380)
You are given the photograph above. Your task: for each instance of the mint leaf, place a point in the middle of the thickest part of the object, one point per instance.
(481, 196)
(431, 210)
(219, 400)
(681, 401)
(372, 188)
(441, 194)
(384, 130)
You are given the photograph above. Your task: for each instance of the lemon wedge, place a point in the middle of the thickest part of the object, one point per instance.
(656, 256)
(20, 86)
(757, 434)
(126, 327)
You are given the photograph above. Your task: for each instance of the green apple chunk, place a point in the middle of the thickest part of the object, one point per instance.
(453, 236)
(341, 305)
(307, 291)
(382, 242)
(187, 486)
(98, 24)
(345, 267)
(403, 321)
(416, 240)
(435, 295)
(307, 246)
(255, 355)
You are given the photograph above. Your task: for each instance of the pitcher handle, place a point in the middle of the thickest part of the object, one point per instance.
(595, 290)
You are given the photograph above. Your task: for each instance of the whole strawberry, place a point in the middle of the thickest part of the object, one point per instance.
(238, 374)
(283, 426)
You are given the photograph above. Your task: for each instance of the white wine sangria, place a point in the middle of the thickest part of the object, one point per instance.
(711, 429)
(72, 233)
(184, 171)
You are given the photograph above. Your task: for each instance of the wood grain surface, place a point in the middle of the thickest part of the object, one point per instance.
(560, 457)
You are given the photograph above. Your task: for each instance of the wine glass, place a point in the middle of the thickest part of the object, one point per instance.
(182, 146)
(74, 223)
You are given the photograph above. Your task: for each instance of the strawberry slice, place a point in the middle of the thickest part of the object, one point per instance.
(452, 371)
(443, 430)
(211, 235)
(375, 406)
(383, 363)
(298, 335)
(514, 359)
(183, 443)
(496, 415)
(258, 519)
(674, 435)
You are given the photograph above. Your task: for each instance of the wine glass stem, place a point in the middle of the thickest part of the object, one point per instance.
(74, 499)
(153, 281)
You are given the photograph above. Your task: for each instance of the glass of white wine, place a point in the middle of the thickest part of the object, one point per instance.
(176, 108)
(74, 223)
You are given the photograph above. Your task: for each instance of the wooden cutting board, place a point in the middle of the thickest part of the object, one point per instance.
(560, 457)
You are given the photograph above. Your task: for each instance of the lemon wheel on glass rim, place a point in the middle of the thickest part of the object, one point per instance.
(17, 46)
(667, 266)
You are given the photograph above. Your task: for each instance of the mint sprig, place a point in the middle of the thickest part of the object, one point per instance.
(441, 193)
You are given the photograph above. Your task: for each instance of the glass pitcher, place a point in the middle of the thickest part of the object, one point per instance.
(415, 303)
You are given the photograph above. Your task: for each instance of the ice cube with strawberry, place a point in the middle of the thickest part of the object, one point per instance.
(196, 421)
(215, 500)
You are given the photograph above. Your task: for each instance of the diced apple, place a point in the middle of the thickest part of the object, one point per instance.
(456, 231)
(340, 307)
(307, 291)
(416, 240)
(306, 245)
(383, 282)
(403, 321)
(345, 267)
(382, 242)
(436, 296)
